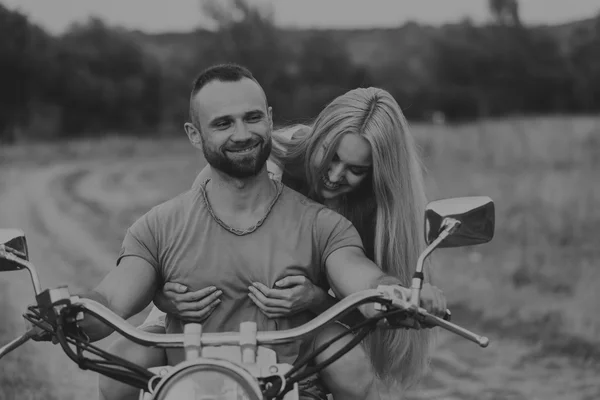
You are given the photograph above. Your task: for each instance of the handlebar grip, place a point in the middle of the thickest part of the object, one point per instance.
(435, 321)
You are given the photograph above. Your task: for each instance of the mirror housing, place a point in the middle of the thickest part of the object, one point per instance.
(476, 215)
(13, 241)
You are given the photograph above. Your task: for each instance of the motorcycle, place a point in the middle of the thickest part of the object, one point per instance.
(237, 365)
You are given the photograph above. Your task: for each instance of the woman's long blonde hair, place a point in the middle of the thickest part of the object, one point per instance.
(393, 196)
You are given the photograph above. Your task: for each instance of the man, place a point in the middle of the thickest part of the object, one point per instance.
(239, 227)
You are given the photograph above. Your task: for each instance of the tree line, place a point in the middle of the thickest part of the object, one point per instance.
(96, 79)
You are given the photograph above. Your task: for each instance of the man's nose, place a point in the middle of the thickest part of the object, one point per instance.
(241, 133)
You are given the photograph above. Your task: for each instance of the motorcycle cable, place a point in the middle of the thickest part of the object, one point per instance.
(60, 336)
(42, 323)
(113, 366)
(107, 368)
(57, 335)
(274, 391)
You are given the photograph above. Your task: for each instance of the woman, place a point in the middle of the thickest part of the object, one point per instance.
(359, 159)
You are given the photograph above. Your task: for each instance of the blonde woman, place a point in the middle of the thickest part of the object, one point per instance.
(359, 159)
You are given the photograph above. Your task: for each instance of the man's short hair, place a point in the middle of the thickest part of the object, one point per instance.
(223, 73)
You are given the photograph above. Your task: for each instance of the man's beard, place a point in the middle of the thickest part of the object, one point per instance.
(242, 167)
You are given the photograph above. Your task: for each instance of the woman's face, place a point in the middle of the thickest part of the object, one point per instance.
(350, 166)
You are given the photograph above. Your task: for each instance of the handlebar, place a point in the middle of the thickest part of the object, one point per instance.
(171, 340)
(383, 294)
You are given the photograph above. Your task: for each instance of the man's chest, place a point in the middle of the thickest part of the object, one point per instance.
(233, 262)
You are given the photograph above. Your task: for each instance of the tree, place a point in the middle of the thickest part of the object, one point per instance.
(583, 65)
(108, 82)
(28, 69)
(298, 78)
(505, 12)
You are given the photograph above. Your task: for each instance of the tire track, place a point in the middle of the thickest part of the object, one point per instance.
(64, 236)
(28, 205)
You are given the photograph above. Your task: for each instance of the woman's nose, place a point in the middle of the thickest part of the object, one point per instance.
(336, 172)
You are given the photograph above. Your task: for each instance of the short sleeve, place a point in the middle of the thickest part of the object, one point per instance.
(201, 177)
(274, 171)
(333, 231)
(140, 241)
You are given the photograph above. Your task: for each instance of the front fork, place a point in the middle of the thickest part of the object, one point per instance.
(259, 361)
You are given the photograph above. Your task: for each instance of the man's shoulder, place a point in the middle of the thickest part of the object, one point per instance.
(302, 204)
(299, 200)
(174, 207)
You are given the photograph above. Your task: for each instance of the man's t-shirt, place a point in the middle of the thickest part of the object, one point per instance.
(184, 242)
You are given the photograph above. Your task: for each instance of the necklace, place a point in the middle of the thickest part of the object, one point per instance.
(241, 232)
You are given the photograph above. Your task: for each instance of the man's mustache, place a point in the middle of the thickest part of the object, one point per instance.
(243, 146)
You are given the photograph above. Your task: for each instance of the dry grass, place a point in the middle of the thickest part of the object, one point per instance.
(542, 174)
(536, 280)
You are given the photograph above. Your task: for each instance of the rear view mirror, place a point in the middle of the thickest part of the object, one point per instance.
(476, 215)
(12, 241)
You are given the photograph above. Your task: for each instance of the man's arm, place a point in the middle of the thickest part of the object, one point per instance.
(325, 302)
(126, 290)
(350, 271)
(345, 264)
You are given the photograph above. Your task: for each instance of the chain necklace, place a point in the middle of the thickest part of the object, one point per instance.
(241, 232)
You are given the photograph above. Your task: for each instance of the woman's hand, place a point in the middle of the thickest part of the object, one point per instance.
(291, 295)
(188, 306)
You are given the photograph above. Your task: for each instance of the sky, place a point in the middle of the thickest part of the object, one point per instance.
(184, 15)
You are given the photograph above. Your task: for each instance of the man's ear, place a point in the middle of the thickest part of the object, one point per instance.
(270, 114)
(193, 135)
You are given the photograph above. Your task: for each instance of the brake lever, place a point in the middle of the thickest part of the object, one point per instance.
(396, 297)
(41, 331)
(16, 343)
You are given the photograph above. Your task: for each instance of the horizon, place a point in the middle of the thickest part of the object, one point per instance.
(185, 15)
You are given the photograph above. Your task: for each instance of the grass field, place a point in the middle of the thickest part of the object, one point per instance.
(533, 289)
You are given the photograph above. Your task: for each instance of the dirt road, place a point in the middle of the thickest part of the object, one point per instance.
(74, 215)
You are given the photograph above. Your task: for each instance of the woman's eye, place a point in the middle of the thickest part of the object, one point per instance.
(359, 172)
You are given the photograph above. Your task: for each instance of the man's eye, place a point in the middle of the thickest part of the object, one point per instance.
(254, 118)
(221, 125)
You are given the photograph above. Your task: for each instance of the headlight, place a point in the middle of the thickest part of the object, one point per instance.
(208, 380)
